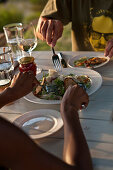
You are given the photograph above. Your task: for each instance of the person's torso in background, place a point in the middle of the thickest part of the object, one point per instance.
(94, 21)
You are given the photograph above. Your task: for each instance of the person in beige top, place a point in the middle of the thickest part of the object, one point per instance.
(92, 24)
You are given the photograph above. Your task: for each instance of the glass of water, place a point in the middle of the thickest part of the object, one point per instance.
(11, 31)
(6, 68)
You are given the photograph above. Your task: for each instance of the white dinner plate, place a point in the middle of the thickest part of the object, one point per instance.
(95, 78)
(73, 59)
(40, 123)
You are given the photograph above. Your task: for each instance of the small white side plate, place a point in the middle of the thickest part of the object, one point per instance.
(73, 59)
(40, 123)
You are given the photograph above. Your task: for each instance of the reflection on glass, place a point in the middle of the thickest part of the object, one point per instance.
(6, 69)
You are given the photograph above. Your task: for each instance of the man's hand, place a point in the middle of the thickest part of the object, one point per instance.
(109, 48)
(49, 30)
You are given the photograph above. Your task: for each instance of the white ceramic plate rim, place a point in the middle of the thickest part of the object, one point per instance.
(55, 115)
(70, 62)
(95, 77)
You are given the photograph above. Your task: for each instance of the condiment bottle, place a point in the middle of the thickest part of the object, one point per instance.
(27, 64)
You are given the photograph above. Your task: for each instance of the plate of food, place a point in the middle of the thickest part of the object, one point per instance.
(40, 123)
(53, 84)
(88, 61)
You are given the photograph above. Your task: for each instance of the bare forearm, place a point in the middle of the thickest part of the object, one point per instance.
(9, 95)
(21, 85)
(17, 151)
(5, 97)
(76, 150)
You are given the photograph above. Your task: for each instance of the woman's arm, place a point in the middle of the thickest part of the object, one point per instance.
(21, 85)
(19, 152)
(76, 150)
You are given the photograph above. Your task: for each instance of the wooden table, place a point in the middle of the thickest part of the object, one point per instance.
(96, 120)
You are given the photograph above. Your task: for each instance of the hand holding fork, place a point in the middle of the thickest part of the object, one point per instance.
(58, 61)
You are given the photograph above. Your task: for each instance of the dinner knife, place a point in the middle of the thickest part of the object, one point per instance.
(63, 62)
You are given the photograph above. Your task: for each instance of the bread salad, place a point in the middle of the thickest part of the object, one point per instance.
(89, 62)
(53, 85)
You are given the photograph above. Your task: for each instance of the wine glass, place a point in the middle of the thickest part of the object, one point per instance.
(27, 40)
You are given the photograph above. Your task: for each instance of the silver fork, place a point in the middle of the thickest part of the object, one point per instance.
(56, 61)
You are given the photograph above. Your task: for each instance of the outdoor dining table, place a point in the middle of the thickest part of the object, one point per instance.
(96, 119)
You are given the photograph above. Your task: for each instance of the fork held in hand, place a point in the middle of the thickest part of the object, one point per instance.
(56, 61)
(53, 50)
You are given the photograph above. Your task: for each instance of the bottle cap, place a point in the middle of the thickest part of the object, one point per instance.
(26, 60)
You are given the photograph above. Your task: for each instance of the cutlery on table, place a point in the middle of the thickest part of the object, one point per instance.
(63, 62)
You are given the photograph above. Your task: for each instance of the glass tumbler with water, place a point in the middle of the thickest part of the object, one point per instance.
(11, 31)
(6, 69)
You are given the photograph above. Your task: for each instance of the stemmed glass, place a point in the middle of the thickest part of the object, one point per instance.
(27, 40)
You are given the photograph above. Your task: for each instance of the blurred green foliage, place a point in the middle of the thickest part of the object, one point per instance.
(31, 17)
(42, 2)
(38, 4)
(9, 15)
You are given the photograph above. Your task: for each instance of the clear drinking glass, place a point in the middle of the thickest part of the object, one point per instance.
(27, 40)
(6, 68)
(11, 31)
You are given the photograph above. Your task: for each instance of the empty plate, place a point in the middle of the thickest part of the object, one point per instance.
(40, 123)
